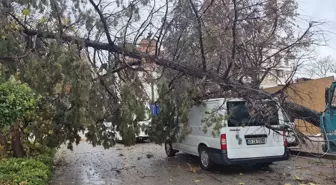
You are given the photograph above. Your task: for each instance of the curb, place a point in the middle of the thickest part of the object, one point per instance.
(312, 154)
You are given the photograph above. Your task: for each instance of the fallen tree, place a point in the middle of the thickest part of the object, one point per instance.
(204, 49)
(295, 110)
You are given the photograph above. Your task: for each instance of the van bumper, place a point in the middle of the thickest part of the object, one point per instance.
(220, 157)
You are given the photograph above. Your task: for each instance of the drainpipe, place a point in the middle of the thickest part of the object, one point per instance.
(152, 87)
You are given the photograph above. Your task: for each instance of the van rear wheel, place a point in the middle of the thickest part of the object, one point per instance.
(206, 163)
(169, 149)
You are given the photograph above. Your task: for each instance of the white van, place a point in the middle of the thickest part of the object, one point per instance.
(233, 143)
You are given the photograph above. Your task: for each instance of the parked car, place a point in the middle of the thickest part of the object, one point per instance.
(142, 136)
(235, 143)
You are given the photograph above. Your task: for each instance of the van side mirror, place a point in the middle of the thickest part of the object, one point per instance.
(327, 96)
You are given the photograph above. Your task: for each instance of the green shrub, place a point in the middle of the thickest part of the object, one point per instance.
(27, 171)
(47, 157)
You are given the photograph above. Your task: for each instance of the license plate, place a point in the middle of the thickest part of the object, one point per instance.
(256, 141)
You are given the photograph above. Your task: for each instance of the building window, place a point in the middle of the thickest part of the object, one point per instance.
(280, 73)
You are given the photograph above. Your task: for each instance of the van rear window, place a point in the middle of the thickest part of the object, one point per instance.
(241, 114)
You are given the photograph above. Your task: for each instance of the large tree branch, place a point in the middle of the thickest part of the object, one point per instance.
(208, 5)
(300, 112)
(234, 39)
(297, 111)
(200, 34)
(145, 23)
(128, 24)
(103, 20)
(157, 49)
(58, 15)
(290, 45)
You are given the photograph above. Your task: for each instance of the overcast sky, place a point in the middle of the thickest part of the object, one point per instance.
(322, 10)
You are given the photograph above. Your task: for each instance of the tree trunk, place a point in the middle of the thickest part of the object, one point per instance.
(17, 147)
(3, 143)
(300, 112)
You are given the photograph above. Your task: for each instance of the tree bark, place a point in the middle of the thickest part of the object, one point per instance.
(3, 145)
(17, 147)
(300, 112)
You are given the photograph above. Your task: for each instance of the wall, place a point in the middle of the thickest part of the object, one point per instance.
(309, 94)
(273, 80)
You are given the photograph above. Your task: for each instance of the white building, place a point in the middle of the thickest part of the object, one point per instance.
(277, 76)
(280, 74)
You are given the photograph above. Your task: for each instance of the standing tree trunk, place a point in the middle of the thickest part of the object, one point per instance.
(17, 147)
(3, 143)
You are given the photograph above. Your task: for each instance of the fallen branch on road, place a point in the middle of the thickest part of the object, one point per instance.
(118, 170)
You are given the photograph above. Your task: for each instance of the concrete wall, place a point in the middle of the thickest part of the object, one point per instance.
(273, 79)
(309, 94)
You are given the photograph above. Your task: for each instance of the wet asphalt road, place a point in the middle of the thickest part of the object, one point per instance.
(147, 164)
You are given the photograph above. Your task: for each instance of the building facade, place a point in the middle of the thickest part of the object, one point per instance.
(308, 93)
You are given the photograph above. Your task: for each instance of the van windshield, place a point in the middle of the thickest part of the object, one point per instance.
(257, 115)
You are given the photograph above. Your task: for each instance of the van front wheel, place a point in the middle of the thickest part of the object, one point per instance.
(206, 163)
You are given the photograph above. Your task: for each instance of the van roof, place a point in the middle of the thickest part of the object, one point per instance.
(231, 99)
(222, 99)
